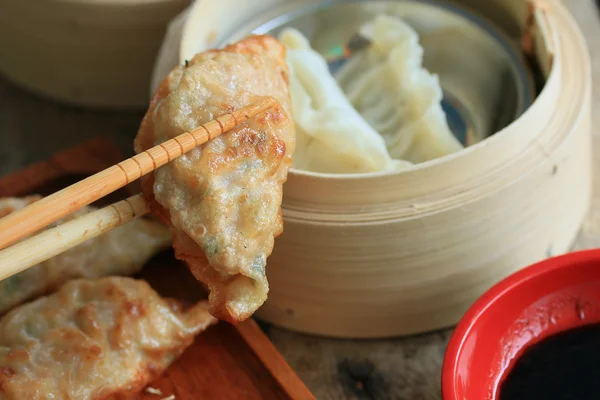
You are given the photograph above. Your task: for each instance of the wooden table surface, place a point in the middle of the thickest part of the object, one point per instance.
(32, 128)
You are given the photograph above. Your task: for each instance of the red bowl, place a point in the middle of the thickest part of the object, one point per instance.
(551, 296)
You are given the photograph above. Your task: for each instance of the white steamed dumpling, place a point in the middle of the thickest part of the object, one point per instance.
(332, 137)
(388, 86)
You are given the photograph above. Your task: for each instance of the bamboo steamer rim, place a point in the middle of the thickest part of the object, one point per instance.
(314, 207)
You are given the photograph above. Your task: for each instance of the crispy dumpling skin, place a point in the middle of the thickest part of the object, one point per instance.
(122, 251)
(94, 339)
(223, 199)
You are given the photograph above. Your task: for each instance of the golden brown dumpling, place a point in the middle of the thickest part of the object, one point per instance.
(94, 339)
(122, 251)
(223, 199)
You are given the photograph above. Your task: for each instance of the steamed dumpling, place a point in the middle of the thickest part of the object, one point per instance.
(395, 95)
(332, 137)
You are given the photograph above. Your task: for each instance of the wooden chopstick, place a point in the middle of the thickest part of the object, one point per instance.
(63, 237)
(43, 212)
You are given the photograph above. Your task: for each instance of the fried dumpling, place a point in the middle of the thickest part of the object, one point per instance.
(122, 251)
(94, 339)
(223, 199)
(332, 135)
(401, 100)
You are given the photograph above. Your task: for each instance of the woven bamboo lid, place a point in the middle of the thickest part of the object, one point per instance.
(95, 53)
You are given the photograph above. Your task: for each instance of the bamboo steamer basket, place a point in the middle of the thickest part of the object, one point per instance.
(378, 255)
(96, 53)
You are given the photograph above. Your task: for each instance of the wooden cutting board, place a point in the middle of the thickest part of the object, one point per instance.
(225, 362)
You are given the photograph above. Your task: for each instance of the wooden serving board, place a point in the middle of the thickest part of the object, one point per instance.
(226, 361)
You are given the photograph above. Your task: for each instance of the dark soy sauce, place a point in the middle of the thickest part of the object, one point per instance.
(565, 366)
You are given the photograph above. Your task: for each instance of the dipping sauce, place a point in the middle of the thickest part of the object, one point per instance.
(565, 366)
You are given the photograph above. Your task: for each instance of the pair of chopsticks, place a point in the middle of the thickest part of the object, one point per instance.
(47, 210)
